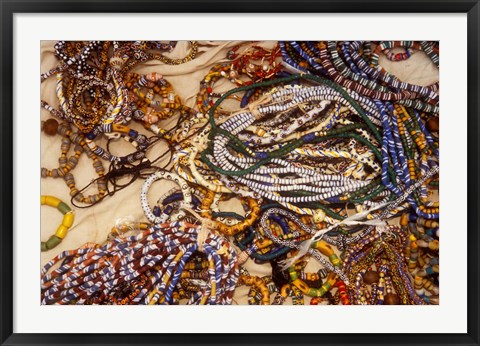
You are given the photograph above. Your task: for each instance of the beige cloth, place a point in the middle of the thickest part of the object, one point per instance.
(93, 224)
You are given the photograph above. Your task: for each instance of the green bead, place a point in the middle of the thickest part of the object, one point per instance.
(63, 208)
(368, 196)
(44, 246)
(52, 242)
(312, 292)
(321, 291)
(335, 260)
(293, 276)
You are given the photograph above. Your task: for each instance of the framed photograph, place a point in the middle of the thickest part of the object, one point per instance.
(259, 173)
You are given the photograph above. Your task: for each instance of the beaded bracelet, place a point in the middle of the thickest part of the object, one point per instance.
(289, 291)
(154, 216)
(67, 222)
(230, 230)
(259, 249)
(172, 202)
(255, 295)
(259, 284)
(310, 291)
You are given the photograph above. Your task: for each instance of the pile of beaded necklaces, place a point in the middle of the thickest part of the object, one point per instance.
(328, 164)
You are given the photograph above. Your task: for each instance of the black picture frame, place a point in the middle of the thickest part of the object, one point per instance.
(10, 7)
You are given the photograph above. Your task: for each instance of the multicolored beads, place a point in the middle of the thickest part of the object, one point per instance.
(330, 157)
(67, 222)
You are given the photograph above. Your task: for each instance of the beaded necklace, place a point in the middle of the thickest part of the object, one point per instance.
(66, 166)
(235, 125)
(349, 79)
(422, 255)
(379, 74)
(155, 216)
(301, 152)
(410, 48)
(380, 251)
(314, 252)
(252, 66)
(163, 250)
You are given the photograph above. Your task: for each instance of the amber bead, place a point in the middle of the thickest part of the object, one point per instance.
(303, 64)
(391, 299)
(371, 277)
(50, 127)
(433, 124)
